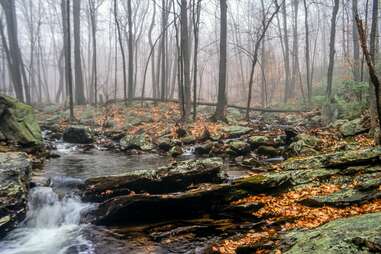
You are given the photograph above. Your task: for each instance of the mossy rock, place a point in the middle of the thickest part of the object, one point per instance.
(256, 141)
(18, 122)
(136, 141)
(305, 144)
(354, 127)
(238, 147)
(15, 170)
(78, 134)
(236, 131)
(359, 234)
(188, 140)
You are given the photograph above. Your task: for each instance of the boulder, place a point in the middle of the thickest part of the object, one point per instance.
(15, 172)
(77, 135)
(304, 144)
(203, 149)
(164, 144)
(188, 140)
(18, 123)
(140, 208)
(268, 151)
(342, 198)
(256, 141)
(358, 234)
(237, 147)
(354, 127)
(236, 131)
(335, 160)
(136, 141)
(178, 176)
(176, 151)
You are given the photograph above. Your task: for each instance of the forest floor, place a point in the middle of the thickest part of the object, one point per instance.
(265, 146)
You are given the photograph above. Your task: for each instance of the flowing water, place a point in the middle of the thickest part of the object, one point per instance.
(54, 222)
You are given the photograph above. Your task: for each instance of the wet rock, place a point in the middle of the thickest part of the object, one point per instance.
(15, 172)
(203, 148)
(164, 144)
(354, 127)
(236, 131)
(238, 147)
(177, 176)
(135, 209)
(256, 141)
(18, 123)
(136, 141)
(176, 151)
(268, 151)
(188, 140)
(342, 198)
(359, 234)
(304, 144)
(77, 135)
(181, 132)
(335, 160)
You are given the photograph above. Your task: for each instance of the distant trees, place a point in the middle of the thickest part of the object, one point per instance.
(12, 49)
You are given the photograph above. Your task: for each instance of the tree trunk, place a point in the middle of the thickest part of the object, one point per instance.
(221, 99)
(79, 88)
(332, 50)
(356, 48)
(185, 59)
(15, 64)
(196, 23)
(65, 7)
(308, 61)
(130, 54)
(121, 50)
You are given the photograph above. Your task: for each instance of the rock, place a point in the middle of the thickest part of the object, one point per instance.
(358, 234)
(304, 144)
(18, 123)
(188, 140)
(291, 134)
(164, 144)
(238, 147)
(137, 209)
(256, 141)
(77, 135)
(15, 170)
(335, 160)
(175, 177)
(203, 148)
(342, 198)
(354, 127)
(236, 131)
(268, 151)
(136, 141)
(181, 132)
(176, 151)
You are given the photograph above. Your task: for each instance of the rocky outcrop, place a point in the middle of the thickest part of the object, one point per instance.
(14, 180)
(136, 141)
(18, 123)
(236, 131)
(77, 135)
(359, 234)
(173, 178)
(354, 127)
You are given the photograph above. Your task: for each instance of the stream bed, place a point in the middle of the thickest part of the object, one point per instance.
(55, 221)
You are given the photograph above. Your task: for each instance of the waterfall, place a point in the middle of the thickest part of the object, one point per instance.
(52, 226)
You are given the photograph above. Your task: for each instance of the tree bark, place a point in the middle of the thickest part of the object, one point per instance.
(221, 99)
(79, 88)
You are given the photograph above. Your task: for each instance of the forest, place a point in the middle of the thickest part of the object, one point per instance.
(190, 126)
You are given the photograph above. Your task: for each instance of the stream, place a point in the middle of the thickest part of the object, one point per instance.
(54, 223)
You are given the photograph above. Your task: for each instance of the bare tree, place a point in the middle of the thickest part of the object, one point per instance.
(221, 99)
(15, 61)
(121, 50)
(196, 9)
(185, 58)
(130, 54)
(65, 8)
(79, 87)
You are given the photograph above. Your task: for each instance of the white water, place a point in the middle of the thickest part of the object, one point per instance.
(52, 226)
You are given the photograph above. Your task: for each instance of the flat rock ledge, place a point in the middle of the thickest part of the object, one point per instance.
(15, 170)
